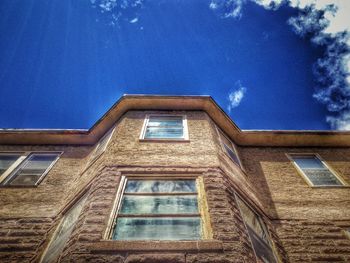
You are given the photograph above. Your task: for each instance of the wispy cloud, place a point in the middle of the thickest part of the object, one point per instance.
(228, 8)
(236, 95)
(134, 20)
(119, 10)
(325, 23)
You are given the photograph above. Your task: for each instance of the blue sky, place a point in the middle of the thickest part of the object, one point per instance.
(269, 64)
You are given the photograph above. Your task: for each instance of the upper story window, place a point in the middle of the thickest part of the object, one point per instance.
(229, 147)
(258, 233)
(25, 169)
(101, 146)
(315, 170)
(165, 127)
(62, 233)
(160, 209)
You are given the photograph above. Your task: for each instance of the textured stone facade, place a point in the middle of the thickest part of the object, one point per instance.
(306, 224)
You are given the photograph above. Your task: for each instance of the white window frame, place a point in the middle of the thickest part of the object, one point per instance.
(221, 133)
(206, 230)
(306, 178)
(24, 155)
(185, 136)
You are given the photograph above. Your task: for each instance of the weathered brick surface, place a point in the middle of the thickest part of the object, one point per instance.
(21, 238)
(283, 191)
(305, 223)
(308, 221)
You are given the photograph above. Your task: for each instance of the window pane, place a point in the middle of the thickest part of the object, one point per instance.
(155, 132)
(63, 232)
(251, 219)
(164, 127)
(160, 186)
(308, 162)
(262, 250)
(316, 171)
(101, 146)
(159, 205)
(6, 161)
(257, 233)
(228, 145)
(321, 177)
(231, 153)
(175, 121)
(158, 229)
(32, 169)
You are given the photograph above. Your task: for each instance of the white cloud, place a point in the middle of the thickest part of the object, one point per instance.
(235, 97)
(228, 8)
(326, 23)
(118, 11)
(341, 122)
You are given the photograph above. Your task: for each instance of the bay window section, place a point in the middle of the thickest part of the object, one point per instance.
(158, 210)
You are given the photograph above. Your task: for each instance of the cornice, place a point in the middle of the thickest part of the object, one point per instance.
(272, 138)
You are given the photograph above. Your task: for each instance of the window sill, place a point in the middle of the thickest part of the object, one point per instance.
(164, 140)
(329, 186)
(18, 186)
(156, 246)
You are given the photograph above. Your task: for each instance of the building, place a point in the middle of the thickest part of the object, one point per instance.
(172, 179)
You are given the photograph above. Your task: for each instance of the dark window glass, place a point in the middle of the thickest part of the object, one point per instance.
(6, 161)
(229, 148)
(257, 232)
(30, 170)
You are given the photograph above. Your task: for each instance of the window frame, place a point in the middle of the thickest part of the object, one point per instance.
(233, 145)
(92, 157)
(262, 224)
(81, 197)
(185, 136)
(108, 135)
(203, 213)
(306, 178)
(24, 156)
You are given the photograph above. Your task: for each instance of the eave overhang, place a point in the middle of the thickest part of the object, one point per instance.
(273, 138)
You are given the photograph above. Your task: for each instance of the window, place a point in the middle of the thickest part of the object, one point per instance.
(165, 127)
(102, 145)
(315, 170)
(229, 148)
(257, 232)
(25, 169)
(160, 209)
(63, 231)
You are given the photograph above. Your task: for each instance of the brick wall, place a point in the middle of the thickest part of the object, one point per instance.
(305, 223)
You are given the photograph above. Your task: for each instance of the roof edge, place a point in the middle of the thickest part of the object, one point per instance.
(279, 138)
